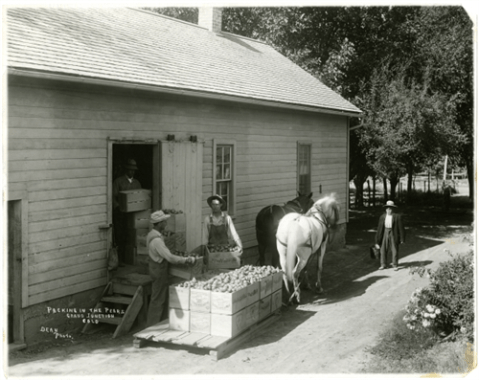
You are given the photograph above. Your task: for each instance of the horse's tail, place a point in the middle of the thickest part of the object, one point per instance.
(291, 249)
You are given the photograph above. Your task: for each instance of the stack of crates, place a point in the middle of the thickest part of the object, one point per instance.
(224, 314)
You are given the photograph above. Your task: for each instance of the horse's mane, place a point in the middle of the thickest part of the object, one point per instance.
(327, 206)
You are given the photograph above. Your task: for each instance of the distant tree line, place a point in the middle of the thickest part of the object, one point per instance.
(408, 68)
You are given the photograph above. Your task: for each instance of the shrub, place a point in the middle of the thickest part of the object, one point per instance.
(447, 305)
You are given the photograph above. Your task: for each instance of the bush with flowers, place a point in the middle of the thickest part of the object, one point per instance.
(447, 305)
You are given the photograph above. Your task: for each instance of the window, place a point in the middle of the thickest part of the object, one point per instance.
(223, 182)
(304, 168)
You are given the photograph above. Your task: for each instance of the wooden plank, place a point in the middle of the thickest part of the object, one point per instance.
(67, 271)
(111, 321)
(55, 164)
(66, 281)
(57, 154)
(189, 339)
(65, 291)
(117, 299)
(168, 336)
(62, 214)
(67, 203)
(67, 262)
(98, 217)
(46, 175)
(152, 330)
(124, 289)
(62, 253)
(61, 243)
(130, 314)
(46, 144)
(65, 232)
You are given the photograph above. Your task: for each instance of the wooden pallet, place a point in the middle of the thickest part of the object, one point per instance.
(218, 346)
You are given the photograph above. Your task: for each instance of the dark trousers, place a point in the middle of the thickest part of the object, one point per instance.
(388, 245)
(159, 291)
(120, 231)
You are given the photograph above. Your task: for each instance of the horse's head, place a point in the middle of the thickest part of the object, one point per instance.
(304, 201)
(329, 208)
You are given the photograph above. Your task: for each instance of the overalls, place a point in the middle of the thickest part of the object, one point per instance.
(159, 290)
(218, 234)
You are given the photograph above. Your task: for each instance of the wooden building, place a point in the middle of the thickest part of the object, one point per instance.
(89, 87)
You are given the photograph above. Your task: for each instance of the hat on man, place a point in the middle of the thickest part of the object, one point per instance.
(389, 204)
(131, 164)
(158, 216)
(217, 197)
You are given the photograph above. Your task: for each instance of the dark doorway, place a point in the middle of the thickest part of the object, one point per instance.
(14, 223)
(144, 154)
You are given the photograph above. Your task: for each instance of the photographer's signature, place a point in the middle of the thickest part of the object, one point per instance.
(54, 331)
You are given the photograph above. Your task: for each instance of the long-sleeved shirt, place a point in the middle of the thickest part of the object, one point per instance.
(123, 183)
(218, 221)
(158, 251)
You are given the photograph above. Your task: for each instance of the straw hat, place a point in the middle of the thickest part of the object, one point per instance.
(158, 216)
(389, 204)
(217, 197)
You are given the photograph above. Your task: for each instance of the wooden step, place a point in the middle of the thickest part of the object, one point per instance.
(111, 321)
(117, 299)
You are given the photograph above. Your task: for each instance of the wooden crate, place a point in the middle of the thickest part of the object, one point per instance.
(179, 297)
(264, 307)
(223, 260)
(231, 303)
(176, 223)
(232, 325)
(179, 319)
(200, 300)
(175, 241)
(277, 281)
(266, 286)
(276, 300)
(135, 200)
(200, 322)
(139, 219)
(187, 271)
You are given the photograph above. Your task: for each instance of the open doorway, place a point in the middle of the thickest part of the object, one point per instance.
(14, 225)
(146, 156)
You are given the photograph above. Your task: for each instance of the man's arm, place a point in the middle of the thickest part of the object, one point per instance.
(164, 252)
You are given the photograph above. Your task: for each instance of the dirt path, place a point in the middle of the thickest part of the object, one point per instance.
(324, 335)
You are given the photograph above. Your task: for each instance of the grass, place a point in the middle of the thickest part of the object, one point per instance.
(400, 350)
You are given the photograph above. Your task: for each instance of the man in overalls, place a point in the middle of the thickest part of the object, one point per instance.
(218, 226)
(159, 257)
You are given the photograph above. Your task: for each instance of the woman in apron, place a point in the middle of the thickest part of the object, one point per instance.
(218, 226)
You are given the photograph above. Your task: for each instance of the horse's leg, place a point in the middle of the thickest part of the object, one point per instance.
(282, 259)
(320, 266)
(302, 261)
(261, 252)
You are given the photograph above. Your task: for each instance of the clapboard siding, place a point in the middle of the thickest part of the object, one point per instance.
(58, 153)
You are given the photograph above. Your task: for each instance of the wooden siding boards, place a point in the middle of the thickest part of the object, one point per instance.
(58, 152)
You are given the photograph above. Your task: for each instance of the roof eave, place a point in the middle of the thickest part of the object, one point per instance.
(179, 91)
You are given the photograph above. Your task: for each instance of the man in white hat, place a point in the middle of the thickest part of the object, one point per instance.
(389, 235)
(123, 183)
(159, 257)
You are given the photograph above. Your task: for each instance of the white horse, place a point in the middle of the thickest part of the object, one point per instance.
(299, 236)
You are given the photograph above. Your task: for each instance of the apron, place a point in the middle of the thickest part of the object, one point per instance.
(218, 234)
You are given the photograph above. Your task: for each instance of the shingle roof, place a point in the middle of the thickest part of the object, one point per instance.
(140, 47)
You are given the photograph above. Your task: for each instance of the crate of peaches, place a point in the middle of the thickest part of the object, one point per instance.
(224, 256)
(185, 271)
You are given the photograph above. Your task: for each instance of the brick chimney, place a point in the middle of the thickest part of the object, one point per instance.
(210, 18)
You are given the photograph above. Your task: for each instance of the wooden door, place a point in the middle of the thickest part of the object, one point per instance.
(181, 184)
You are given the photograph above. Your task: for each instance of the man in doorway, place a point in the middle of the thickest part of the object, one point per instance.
(123, 183)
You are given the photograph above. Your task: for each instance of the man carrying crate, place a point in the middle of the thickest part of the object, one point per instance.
(123, 183)
(159, 257)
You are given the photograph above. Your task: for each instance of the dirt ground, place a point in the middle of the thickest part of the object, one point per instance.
(326, 334)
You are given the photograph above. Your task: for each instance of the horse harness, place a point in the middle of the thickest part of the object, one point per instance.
(320, 220)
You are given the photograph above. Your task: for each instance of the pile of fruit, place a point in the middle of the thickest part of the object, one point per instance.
(222, 248)
(172, 211)
(229, 282)
(185, 254)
